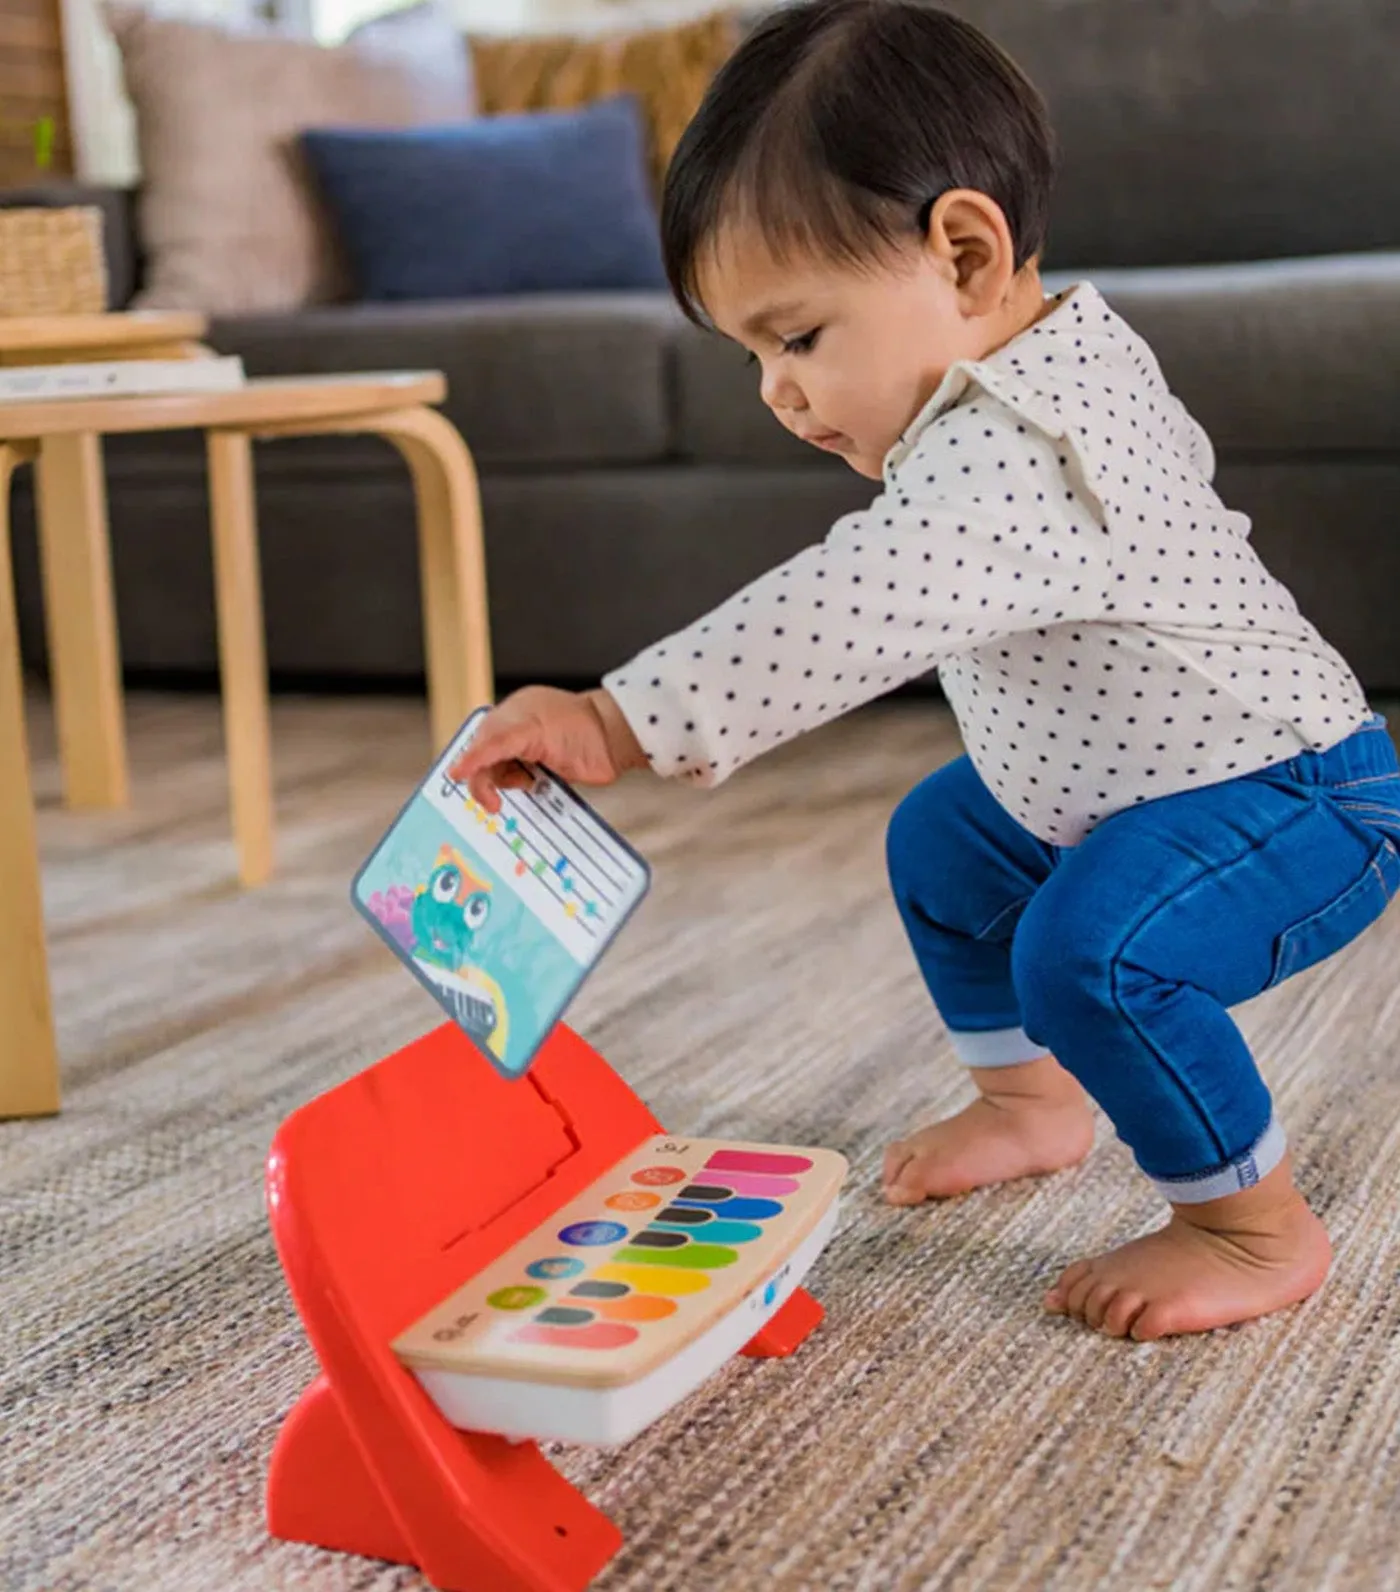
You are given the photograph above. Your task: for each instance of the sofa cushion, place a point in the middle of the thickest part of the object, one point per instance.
(1285, 357)
(436, 213)
(1198, 130)
(531, 381)
(227, 215)
(664, 54)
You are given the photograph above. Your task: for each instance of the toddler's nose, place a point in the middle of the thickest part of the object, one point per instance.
(780, 392)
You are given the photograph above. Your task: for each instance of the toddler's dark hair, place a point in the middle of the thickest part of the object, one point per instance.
(837, 124)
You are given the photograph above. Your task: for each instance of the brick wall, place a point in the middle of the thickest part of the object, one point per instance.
(31, 86)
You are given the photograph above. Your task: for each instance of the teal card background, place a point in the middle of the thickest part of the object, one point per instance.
(536, 974)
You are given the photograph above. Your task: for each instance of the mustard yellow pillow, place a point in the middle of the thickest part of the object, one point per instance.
(668, 69)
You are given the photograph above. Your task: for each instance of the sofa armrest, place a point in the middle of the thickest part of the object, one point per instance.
(120, 239)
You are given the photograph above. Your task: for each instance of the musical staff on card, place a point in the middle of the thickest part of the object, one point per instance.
(562, 862)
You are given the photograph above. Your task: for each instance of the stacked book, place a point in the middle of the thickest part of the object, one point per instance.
(120, 378)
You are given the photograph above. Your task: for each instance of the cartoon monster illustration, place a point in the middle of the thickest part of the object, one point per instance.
(447, 915)
(437, 924)
(449, 912)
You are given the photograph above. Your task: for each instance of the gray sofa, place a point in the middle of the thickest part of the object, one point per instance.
(1231, 182)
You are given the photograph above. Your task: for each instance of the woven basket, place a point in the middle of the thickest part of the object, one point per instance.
(51, 262)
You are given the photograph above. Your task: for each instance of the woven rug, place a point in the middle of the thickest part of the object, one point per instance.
(937, 1432)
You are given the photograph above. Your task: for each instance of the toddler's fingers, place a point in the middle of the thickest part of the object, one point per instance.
(484, 789)
(490, 748)
(487, 783)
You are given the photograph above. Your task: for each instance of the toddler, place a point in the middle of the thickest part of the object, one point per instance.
(1174, 795)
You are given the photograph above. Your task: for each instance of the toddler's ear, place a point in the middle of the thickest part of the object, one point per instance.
(970, 241)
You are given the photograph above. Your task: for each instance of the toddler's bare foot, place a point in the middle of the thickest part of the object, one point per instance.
(1030, 1118)
(1213, 1264)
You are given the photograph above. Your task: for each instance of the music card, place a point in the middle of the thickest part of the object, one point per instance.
(501, 916)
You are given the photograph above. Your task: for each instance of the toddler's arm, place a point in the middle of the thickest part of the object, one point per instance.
(984, 529)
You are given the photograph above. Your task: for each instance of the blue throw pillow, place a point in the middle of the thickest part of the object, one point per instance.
(552, 202)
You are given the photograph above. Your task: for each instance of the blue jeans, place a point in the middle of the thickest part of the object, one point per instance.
(1121, 955)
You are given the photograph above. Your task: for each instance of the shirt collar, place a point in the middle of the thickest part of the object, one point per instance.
(1059, 322)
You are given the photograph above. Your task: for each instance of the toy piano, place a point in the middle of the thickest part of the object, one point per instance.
(631, 1295)
(479, 1263)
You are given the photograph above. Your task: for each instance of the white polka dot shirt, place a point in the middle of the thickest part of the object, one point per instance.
(1047, 538)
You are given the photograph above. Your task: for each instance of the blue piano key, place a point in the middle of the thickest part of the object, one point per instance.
(737, 1210)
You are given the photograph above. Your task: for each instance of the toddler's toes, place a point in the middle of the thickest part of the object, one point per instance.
(1057, 1298)
(1156, 1320)
(897, 1157)
(1126, 1307)
(1101, 1296)
(1079, 1293)
(901, 1181)
(906, 1190)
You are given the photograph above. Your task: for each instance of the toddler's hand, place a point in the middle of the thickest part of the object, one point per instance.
(581, 736)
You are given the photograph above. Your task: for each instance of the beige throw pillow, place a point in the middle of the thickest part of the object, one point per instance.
(229, 219)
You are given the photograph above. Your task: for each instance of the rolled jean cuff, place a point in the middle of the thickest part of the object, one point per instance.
(1243, 1173)
(997, 1047)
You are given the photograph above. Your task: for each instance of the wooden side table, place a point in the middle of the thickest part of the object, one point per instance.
(394, 406)
(71, 498)
(28, 1051)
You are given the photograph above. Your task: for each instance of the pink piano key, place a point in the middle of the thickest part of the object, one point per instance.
(755, 1183)
(757, 1161)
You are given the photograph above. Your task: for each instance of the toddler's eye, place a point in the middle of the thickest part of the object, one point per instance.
(804, 344)
(750, 358)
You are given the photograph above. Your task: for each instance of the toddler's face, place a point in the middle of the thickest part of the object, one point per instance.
(848, 357)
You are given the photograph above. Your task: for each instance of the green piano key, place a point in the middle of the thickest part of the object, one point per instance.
(700, 1257)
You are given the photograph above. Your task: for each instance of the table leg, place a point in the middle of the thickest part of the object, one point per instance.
(456, 619)
(242, 654)
(84, 655)
(28, 1050)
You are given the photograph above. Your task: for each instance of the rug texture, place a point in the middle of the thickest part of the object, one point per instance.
(938, 1432)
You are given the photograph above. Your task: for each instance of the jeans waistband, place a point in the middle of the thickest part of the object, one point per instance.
(1367, 754)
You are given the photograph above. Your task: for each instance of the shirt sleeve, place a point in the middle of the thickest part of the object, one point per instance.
(981, 531)
(1196, 444)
